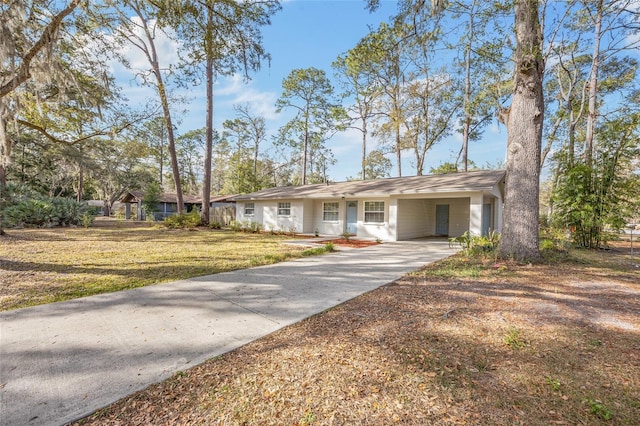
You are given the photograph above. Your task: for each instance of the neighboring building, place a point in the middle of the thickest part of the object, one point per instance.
(168, 205)
(103, 208)
(222, 209)
(390, 209)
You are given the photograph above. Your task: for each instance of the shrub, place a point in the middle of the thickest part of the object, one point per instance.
(255, 227)
(87, 219)
(476, 244)
(215, 225)
(47, 212)
(546, 244)
(185, 220)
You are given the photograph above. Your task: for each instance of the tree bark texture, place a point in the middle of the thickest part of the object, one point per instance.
(466, 125)
(524, 127)
(593, 86)
(206, 183)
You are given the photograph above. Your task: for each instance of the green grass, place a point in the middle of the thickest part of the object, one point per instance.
(41, 266)
(463, 266)
(327, 248)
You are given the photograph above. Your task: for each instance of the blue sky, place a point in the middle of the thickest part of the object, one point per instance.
(312, 33)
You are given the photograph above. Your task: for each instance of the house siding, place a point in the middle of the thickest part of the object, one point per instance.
(256, 217)
(459, 215)
(266, 213)
(308, 213)
(375, 230)
(414, 218)
(328, 227)
(417, 217)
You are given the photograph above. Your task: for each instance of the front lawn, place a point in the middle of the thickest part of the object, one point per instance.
(40, 266)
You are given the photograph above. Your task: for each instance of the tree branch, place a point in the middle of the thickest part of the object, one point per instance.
(23, 72)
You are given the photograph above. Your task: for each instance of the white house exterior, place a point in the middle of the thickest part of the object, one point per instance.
(389, 209)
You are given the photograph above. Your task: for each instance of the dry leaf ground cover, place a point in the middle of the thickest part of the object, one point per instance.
(464, 341)
(47, 265)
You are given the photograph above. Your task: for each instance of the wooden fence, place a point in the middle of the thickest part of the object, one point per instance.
(222, 214)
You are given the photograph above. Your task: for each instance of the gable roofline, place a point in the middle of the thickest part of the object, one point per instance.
(407, 185)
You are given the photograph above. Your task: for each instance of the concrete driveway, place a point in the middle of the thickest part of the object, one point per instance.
(62, 361)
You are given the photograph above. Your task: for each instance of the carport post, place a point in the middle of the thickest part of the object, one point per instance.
(393, 219)
(475, 213)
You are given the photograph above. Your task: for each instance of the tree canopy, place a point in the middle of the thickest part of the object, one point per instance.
(562, 77)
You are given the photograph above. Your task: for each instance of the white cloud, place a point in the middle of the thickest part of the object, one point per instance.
(347, 143)
(235, 91)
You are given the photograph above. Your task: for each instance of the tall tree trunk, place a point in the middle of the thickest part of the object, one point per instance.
(572, 134)
(524, 141)
(152, 56)
(80, 184)
(161, 168)
(593, 86)
(5, 152)
(206, 183)
(398, 150)
(466, 125)
(255, 186)
(172, 143)
(305, 150)
(364, 147)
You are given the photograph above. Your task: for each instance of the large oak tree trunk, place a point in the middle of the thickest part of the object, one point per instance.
(524, 126)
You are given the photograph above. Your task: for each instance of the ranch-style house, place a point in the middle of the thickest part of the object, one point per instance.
(390, 209)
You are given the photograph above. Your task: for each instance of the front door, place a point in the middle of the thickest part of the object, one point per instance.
(352, 217)
(442, 219)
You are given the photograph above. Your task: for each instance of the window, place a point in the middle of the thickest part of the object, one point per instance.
(284, 209)
(330, 211)
(249, 209)
(374, 211)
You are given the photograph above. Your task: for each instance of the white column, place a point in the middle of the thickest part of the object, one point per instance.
(475, 214)
(393, 219)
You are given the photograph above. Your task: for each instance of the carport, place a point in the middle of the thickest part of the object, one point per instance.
(450, 216)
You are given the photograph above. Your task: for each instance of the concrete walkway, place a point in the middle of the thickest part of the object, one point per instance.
(62, 361)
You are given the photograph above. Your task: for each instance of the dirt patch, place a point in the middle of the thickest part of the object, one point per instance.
(464, 341)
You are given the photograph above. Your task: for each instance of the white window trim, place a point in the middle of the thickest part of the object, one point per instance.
(284, 215)
(253, 208)
(364, 212)
(331, 211)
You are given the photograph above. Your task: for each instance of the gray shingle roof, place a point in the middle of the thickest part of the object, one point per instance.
(171, 197)
(452, 182)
